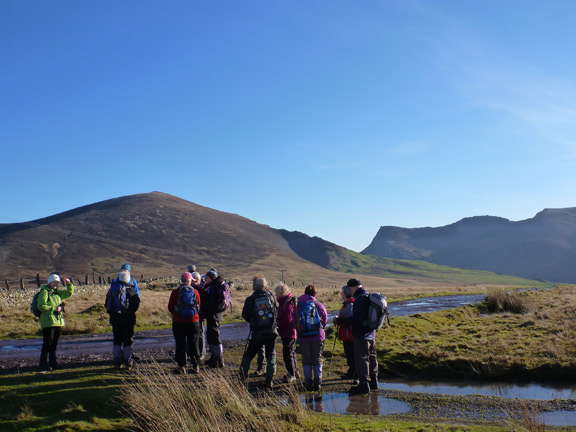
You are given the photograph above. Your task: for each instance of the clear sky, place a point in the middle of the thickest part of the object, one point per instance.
(329, 117)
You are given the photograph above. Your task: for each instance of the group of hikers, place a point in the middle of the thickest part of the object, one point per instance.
(197, 305)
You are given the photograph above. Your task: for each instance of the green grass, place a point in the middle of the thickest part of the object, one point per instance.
(353, 262)
(80, 399)
(468, 343)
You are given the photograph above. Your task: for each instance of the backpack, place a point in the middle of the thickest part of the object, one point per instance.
(264, 313)
(223, 297)
(187, 304)
(377, 311)
(308, 323)
(34, 304)
(117, 300)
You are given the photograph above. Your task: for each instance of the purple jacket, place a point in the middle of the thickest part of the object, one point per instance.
(323, 319)
(286, 321)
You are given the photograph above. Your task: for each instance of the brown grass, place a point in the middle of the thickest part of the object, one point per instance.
(500, 300)
(158, 400)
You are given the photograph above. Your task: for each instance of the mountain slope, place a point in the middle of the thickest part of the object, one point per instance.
(543, 247)
(160, 235)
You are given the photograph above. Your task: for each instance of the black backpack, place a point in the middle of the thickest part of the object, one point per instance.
(34, 304)
(264, 313)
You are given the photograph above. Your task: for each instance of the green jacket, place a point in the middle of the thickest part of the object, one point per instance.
(48, 301)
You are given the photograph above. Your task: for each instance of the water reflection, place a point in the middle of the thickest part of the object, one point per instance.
(343, 403)
(503, 390)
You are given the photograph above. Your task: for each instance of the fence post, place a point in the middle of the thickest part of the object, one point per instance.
(38, 279)
(7, 285)
(21, 284)
(79, 282)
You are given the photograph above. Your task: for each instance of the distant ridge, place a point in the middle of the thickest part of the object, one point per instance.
(543, 247)
(160, 235)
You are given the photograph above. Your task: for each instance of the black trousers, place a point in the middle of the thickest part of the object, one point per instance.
(254, 345)
(123, 334)
(213, 328)
(50, 343)
(289, 355)
(186, 337)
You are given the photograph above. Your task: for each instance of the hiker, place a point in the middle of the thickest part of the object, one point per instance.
(52, 318)
(184, 305)
(133, 281)
(261, 312)
(198, 285)
(345, 331)
(364, 340)
(311, 318)
(287, 330)
(214, 304)
(122, 302)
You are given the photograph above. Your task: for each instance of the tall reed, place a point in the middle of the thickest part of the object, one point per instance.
(158, 400)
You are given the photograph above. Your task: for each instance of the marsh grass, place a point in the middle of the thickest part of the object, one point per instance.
(500, 300)
(469, 343)
(160, 401)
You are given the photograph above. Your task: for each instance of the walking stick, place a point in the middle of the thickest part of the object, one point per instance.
(333, 348)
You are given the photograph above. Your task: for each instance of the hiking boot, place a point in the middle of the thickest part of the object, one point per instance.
(373, 384)
(360, 389)
(260, 372)
(269, 385)
(182, 370)
(194, 369)
(317, 384)
(308, 384)
(219, 363)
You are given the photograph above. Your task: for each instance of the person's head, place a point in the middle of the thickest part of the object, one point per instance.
(186, 278)
(53, 281)
(126, 267)
(191, 268)
(281, 290)
(196, 278)
(311, 290)
(124, 276)
(259, 284)
(211, 275)
(354, 284)
(346, 293)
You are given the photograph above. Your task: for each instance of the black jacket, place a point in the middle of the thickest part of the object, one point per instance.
(360, 314)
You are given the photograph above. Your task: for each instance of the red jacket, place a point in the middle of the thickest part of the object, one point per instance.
(345, 331)
(176, 317)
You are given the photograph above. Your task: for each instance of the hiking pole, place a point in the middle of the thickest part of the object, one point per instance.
(247, 343)
(333, 348)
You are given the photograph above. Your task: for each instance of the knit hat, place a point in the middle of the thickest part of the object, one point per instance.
(53, 278)
(212, 274)
(354, 282)
(124, 276)
(191, 268)
(186, 277)
(126, 266)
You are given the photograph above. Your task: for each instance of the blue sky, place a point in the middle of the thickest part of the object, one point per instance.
(328, 117)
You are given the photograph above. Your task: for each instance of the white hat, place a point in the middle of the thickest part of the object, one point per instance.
(53, 278)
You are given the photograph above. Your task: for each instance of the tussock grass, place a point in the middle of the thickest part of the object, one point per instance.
(500, 300)
(158, 400)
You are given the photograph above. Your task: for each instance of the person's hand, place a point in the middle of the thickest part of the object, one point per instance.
(59, 309)
(67, 281)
